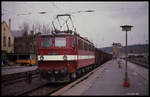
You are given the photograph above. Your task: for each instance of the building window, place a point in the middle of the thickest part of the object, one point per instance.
(4, 41)
(9, 41)
(4, 29)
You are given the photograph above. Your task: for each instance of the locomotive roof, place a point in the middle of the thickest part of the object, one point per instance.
(65, 34)
(49, 34)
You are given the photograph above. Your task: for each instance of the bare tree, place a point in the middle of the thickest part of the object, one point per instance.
(24, 28)
(45, 28)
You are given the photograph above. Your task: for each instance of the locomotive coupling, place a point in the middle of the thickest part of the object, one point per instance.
(60, 71)
(63, 70)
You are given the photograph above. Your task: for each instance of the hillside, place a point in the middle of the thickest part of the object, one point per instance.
(138, 48)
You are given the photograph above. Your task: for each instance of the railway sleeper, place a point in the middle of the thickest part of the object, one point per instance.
(28, 77)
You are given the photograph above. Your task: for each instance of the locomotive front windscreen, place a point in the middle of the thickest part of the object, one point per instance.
(46, 42)
(60, 42)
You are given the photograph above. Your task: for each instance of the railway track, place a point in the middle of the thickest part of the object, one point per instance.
(139, 63)
(43, 90)
(32, 89)
(18, 77)
(49, 88)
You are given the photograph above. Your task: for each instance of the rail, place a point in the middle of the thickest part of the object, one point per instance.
(43, 90)
(17, 77)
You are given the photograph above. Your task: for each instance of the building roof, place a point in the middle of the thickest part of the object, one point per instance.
(6, 24)
(7, 27)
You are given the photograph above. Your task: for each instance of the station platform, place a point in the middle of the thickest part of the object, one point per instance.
(108, 79)
(16, 69)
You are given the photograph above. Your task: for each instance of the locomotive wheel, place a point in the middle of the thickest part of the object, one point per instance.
(82, 71)
(90, 67)
(86, 69)
(78, 73)
(73, 76)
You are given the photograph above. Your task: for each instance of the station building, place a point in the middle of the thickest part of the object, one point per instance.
(7, 38)
(7, 41)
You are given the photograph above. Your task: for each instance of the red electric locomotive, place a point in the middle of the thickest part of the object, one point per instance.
(64, 55)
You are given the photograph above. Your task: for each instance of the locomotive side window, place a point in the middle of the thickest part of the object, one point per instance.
(60, 42)
(93, 48)
(80, 44)
(46, 42)
(85, 46)
(73, 42)
(89, 47)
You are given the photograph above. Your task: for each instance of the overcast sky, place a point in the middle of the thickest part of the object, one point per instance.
(102, 26)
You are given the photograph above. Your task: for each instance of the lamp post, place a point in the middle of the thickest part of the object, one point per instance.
(114, 50)
(126, 80)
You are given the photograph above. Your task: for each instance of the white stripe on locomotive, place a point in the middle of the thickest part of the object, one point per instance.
(60, 57)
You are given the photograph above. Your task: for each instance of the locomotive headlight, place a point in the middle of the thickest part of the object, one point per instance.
(41, 57)
(56, 71)
(49, 72)
(65, 57)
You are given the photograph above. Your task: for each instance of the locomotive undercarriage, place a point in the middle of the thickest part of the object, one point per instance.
(62, 75)
(55, 75)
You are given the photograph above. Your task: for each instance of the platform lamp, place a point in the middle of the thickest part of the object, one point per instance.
(126, 80)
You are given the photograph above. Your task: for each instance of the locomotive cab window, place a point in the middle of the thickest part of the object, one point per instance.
(60, 41)
(46, 42)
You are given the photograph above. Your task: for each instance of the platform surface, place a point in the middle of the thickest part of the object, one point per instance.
(16, 69)
(109, 79)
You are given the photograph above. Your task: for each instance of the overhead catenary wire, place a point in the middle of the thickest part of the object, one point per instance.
(59, 9)
(8, 12)
(42, 12)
